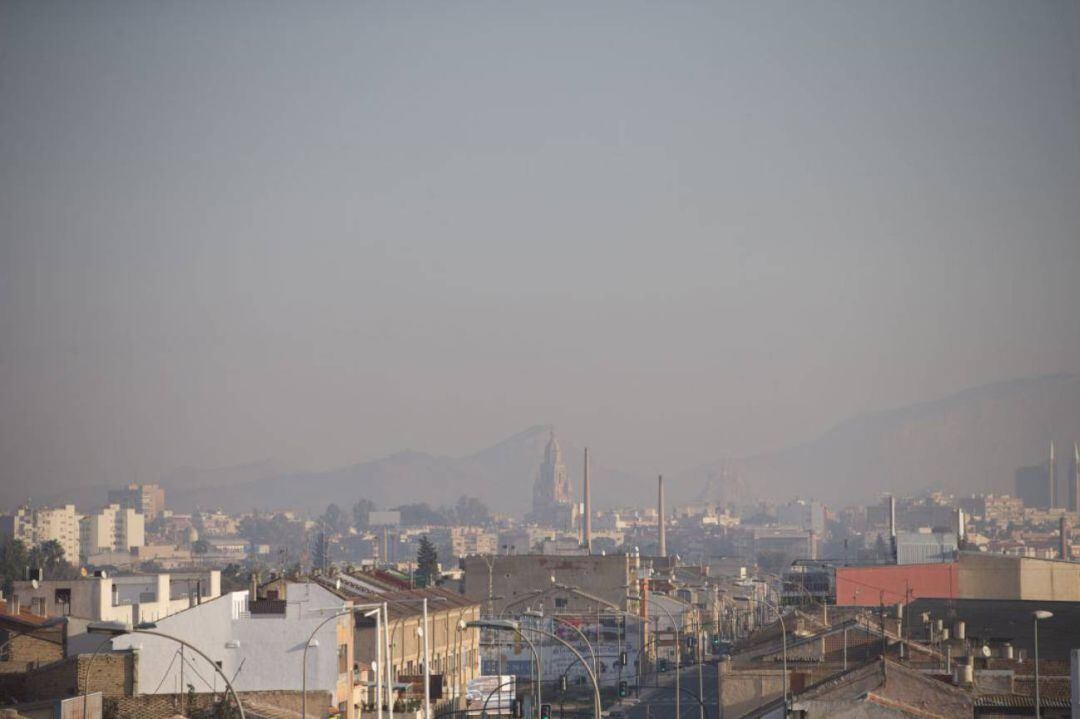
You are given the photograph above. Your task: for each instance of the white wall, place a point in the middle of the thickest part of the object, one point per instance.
(268, 651)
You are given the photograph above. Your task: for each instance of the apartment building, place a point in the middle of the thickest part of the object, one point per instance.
(113, 529)
(34, 527)
(466, 541)
(146, 499)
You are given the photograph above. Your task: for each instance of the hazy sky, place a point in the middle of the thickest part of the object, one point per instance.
(323, 232)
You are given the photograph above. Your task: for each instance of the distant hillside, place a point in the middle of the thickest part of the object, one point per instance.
(972, 441)
(502, 475)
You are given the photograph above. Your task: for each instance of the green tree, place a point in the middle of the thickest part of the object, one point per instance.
(200, 546)
(427, 562)
(773, 561)
(335, 519)
(13, 562)
(360, 512)
(470, 510)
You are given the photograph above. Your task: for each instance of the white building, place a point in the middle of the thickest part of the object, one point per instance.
(129, 600)
(114, 528)
(34, 527)
(259, 645)
(925, 547)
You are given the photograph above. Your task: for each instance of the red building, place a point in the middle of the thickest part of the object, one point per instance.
(889, 584)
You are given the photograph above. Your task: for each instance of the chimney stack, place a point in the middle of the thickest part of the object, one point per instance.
(660, 518)
(1063, 539)
(1076, 478)
(1053, 478)
(892, 516)
(588, 507)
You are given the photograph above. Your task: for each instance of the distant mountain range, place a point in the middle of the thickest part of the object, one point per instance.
(969, 442)
(501, 475)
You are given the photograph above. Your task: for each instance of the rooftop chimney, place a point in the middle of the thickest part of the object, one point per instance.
(588, 507)
(660, 519)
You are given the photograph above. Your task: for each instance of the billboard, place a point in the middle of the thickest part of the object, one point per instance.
(609, 636)
(497, 690)
(384, 519)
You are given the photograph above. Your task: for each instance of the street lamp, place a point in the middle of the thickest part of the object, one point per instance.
(565, 622)
(678, 652)
(115, 629)
(514, 626)
(1036, 616)
(783, 631)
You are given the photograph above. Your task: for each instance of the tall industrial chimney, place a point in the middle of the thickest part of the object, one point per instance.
(892, 528)
(892, 516)
(587, 524)
(1063, 539)
(661, 519)
(1053, 478)
(1076, 478)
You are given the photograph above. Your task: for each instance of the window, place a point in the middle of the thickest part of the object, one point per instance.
(62, 598)
(561, 602)
(37, 606)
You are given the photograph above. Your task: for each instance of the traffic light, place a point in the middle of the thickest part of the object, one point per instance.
(545, 711)
(663, 665)
(622, 688)
(715, 643)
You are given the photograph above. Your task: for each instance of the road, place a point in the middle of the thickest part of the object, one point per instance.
(658, 702)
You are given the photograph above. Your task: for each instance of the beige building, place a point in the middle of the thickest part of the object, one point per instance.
(34, 527)
(515, 580)
(996, 576)
(146, 499)
(114, 528)
(453, 648)
(465, 541)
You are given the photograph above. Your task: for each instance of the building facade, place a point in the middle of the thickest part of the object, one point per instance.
(34, 527)
(114, 528)
(258, 644)
(146, 499)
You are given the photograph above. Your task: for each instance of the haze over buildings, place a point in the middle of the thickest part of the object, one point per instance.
(230, 235)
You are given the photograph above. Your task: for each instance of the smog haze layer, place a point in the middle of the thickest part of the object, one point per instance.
(320, 235)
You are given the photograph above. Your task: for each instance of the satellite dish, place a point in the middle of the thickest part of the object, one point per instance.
(985, 651)
(34, 583)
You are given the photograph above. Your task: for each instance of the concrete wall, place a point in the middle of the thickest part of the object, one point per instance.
(741, 692)
(517, 577)
(1049, 580)
(163, 706)
(989, 576)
